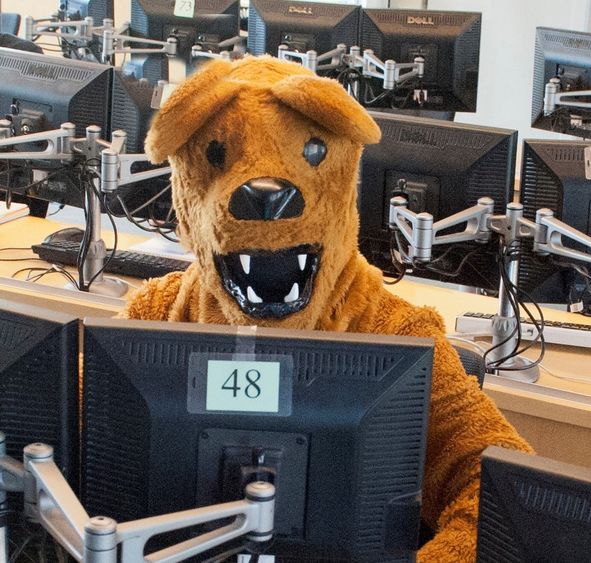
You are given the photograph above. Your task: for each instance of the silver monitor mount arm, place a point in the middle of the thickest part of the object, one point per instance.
(50, 502)
(421, 235)
(107, 161)
(554, 97)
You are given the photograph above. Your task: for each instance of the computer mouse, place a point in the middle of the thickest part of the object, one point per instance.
(71, 234)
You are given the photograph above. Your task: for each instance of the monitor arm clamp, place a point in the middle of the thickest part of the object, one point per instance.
(114, 41)
(554, 97)
(421, 235)
(50, 502)
(312, 60)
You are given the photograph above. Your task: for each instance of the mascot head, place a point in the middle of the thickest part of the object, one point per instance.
(265, 159)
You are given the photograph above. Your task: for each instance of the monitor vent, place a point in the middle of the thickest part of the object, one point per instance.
(488, 178)
(338, 364)
(13, 333)
(434, 138)
(90, 106)
(419, 19)
(126, 115)
(538, 80)
(371, 36)
(45, 70)
(466, 55)
(539, 185)
(565, 153)
(33, 407)
(115, 451)
(300, 9)
(139, 20)
(394, 472)
(495, 540)
(99, 10)
(564, 504)
(256, 32)
(573, 42)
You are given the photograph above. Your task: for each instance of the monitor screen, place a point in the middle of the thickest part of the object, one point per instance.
(175, 413)
(208, 23)
(448, 41)
(565, 56)
(553, 176)
(302, 26)
(533, 509)
(39, 382)
(444, 168)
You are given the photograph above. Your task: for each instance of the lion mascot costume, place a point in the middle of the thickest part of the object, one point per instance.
(265, 158)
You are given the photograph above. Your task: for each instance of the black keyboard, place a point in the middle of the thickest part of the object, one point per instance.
(125, 263)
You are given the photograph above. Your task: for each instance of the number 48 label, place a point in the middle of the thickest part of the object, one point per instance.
(242, 386)
(184, 8)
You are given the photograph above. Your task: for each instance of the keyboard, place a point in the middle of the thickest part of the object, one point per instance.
(124, 263)
(555, 332)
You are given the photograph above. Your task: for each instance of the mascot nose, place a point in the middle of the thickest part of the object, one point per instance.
(266, 199)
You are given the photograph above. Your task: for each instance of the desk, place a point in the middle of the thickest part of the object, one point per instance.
(553, 414)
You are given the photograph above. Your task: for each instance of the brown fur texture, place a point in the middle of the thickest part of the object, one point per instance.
(264, 111)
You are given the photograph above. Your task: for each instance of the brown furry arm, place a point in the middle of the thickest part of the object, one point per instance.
(463, 421)
(153, 300)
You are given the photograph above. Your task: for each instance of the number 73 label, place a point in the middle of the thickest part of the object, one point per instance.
(184, 8)
(240, 385)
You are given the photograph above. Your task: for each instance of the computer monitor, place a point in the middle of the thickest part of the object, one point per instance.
(533, 509)
(211, 22)
(302, 26)
(553, 176)
(39, 93)
(39, 382)
(442, 168)
(566, 56)
(448, 41)
(80, 9)
(174, 414)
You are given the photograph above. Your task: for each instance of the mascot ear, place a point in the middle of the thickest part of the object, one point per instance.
(325, 101)
(188, 108)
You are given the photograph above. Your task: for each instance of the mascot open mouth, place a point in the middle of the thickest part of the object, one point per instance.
(270, 284)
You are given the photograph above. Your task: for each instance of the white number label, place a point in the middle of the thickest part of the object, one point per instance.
(184, 8)
(242, 386)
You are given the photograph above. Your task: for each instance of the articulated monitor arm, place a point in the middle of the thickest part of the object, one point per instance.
(553, 97)
(49, 501)
(547, 232)
(312, 60)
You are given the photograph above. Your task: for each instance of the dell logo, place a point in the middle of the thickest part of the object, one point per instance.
(420, 20)
(300, 10)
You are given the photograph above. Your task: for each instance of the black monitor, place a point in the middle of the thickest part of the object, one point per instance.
(174, 413)
(448, 41)
(553, 176)
(566, 56)
(302, 26)
(40, 93)
(211, 22)
(533, 509)
(39, 382)
(80, 9)
(444, 168)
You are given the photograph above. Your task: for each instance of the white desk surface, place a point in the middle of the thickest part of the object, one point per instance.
(551, 398)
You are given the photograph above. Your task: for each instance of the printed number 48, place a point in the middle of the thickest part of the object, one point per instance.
(251, 390)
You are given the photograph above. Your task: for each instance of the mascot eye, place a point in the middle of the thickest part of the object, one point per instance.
(314, 151)
(216, 154)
